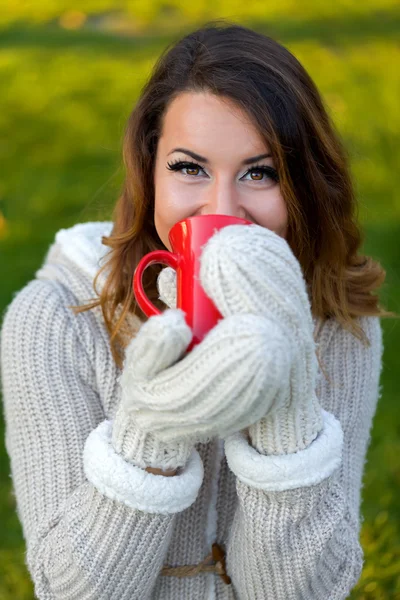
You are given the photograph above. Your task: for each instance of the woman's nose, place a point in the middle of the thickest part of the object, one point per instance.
(222, 201)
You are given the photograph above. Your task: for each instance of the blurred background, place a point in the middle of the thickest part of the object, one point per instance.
(70, 75)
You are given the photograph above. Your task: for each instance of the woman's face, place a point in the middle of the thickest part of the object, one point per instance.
(211, 160)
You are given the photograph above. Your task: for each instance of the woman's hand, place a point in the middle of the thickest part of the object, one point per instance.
(172, 399)
(223, 385)
(252, 270)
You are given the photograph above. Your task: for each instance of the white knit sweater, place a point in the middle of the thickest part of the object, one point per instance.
(97, 527)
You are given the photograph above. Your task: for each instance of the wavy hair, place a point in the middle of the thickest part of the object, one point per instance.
(264, 79)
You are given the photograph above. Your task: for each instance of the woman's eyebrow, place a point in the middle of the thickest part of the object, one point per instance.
(247, 161)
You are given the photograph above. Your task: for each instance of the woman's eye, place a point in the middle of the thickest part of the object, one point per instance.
(192, 169)
(259, 172)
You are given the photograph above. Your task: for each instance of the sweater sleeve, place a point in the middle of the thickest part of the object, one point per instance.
(295, 533)
(91, 526)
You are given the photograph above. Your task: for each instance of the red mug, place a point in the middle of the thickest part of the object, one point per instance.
(187, 238)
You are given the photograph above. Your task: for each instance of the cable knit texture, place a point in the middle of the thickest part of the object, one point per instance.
(160, 342)
(224, 384)
(259, 274)
(97, 526)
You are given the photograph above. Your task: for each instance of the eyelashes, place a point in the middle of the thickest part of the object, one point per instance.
(183, 164)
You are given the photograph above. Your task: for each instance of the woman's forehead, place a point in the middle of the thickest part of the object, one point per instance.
(210, 126)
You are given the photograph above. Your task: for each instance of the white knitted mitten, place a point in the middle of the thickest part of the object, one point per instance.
(136, 446)
(252, 270)
(220, 387)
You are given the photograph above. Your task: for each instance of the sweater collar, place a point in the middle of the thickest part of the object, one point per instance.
(82, 245)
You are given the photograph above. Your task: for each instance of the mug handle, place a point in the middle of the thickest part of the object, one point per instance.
(157, 256)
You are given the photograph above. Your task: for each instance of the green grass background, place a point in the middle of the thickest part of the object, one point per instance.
(69, 80)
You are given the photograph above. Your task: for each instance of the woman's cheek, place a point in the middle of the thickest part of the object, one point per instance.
(271, 213)
(172, 204)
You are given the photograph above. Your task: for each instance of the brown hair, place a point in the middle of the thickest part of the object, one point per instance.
(262, 77)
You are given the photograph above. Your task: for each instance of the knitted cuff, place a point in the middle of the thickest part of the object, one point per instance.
(286, 431)
(144, 449)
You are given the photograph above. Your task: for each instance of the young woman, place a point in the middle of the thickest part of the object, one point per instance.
(233, 471)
